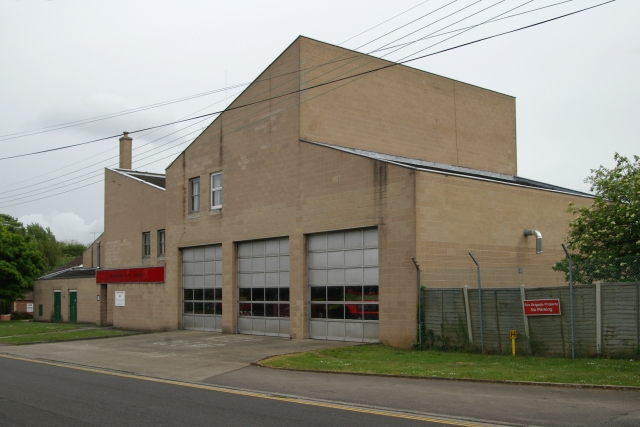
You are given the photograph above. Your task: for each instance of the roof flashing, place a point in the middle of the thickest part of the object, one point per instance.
(446, 169)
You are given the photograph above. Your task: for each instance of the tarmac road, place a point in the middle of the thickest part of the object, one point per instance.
(219, 360)
(37, 394)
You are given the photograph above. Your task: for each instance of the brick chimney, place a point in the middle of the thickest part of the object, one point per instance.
(125, 151)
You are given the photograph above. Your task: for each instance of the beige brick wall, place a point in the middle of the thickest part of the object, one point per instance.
(404, 111)
(131, 208)
(458, 215)
(90, 255)
(274, 185)
(88, 306)
(146, 306)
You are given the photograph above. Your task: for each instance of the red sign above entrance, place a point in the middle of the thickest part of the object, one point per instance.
(541, 307)
(131, 275)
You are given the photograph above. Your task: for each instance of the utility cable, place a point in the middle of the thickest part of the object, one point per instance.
(277, 112)
(476, 41)
(383, 22)
(261, 79)
(102, 139)
(111, 115)
(464, 28)
(83, 186)
(109, 158)
(313, 87)
(93, 173)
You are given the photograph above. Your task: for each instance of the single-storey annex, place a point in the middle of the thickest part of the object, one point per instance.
(298, 211)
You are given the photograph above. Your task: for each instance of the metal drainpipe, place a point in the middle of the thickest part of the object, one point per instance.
(98, 255)
(419, 305)
(538, 239)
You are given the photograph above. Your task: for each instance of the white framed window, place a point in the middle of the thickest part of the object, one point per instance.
(146, 244)
(160, 242)
(216, 190)
(194, 193)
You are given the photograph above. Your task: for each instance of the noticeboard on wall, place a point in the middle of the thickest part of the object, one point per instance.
(119, 298)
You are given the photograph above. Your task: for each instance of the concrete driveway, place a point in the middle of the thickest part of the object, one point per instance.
(177, 355)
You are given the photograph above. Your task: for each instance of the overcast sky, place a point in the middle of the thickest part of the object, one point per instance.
(576, 80)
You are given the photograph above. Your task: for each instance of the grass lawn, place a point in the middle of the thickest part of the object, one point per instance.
(379, 359)
(17, 332)
(17, 327)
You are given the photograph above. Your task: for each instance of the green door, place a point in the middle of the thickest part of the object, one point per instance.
(57, 307)
(73, 306)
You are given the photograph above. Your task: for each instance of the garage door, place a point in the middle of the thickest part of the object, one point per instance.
(343, 285)
(263, 287)
(202, 288)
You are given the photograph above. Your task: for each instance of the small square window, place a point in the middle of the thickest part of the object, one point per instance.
(216, 190)
(194, 199)
(161, 244)
(146, 244)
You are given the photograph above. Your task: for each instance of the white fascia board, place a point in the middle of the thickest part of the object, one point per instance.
(138, 179)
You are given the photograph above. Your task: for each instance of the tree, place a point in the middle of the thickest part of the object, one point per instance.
(606, 235)
(20, 260)
(47, 244)
(69, 249)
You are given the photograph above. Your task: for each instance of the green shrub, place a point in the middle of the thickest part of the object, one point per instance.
(18, 315)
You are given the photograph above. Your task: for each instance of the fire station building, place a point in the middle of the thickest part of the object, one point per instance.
(298, 211)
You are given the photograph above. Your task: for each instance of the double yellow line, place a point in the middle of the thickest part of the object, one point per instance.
(259, 395)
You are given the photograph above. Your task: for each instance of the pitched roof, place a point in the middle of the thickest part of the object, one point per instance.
(443, 168)
(76, 262)
(154, 179)
(70, 273)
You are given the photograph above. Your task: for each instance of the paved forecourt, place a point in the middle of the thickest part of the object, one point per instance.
(178, 355)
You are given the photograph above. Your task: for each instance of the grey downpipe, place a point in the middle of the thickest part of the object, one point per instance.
(419, 305)
(98, 255)
(538, 239)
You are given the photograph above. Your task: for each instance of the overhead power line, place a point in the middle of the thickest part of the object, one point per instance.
(298, 74)
(88, 184)
(471, 26)
(100, 162)
(384, 22)
(362, 74)
(238, 119)
(112, 115)
(393, 64)
(26, 194)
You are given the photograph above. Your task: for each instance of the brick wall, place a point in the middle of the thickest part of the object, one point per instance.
(458, 215)
(131, 208)
(404, 111)
(87, 290)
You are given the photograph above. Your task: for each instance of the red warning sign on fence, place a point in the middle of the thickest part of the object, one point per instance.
(541, 307)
